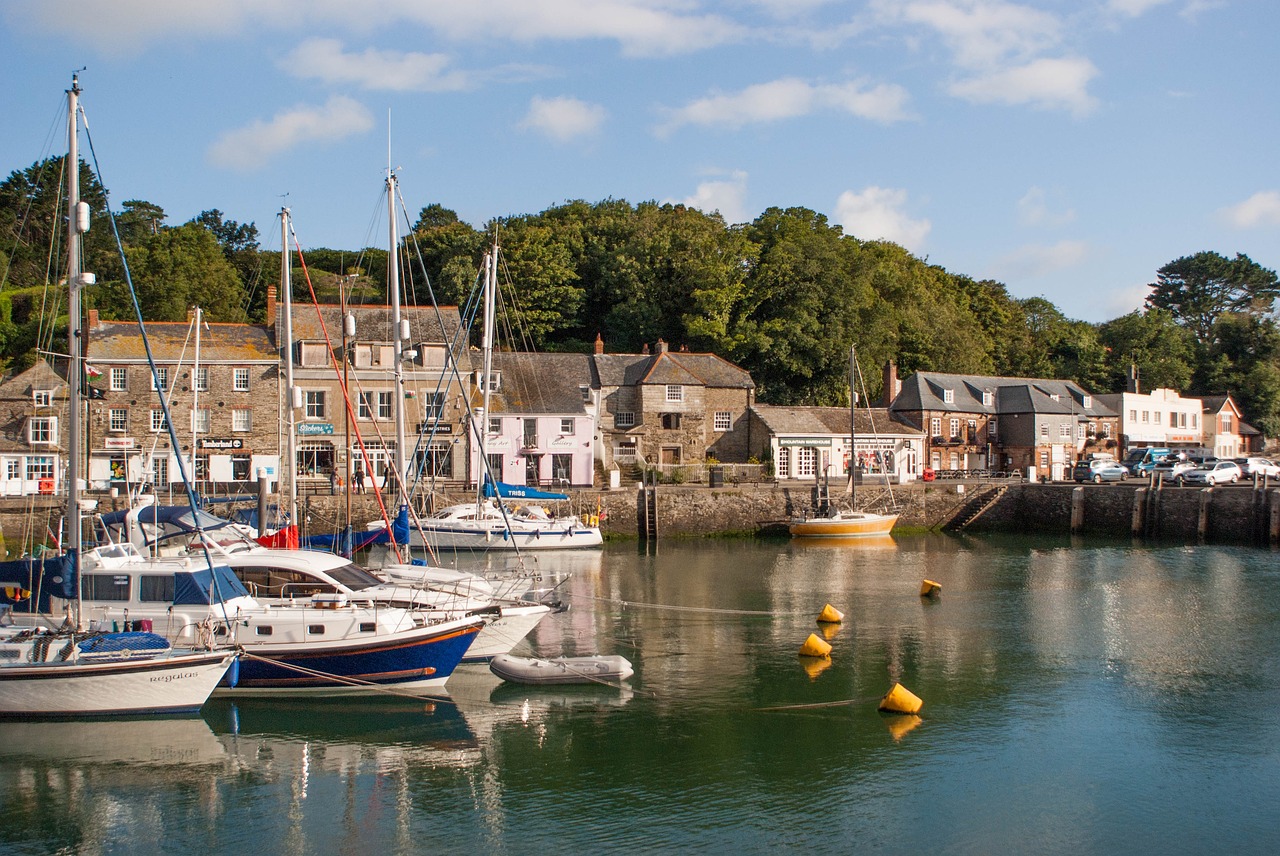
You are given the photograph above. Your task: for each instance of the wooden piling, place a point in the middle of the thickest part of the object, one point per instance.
(1139, 514)
(1077, 509)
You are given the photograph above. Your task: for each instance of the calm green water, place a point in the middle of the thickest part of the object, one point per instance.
(1079, 697)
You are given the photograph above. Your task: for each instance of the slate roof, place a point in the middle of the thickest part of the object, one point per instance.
(373, 323)
(121, 340)
(1216, 403)
(829, 420)
(924, 391)
(541, 383)
(670, 367)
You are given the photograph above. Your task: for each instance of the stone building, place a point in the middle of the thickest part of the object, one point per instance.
(810, 443)
(333, 433)
(223, 401)
(671, 407)
(33, 431)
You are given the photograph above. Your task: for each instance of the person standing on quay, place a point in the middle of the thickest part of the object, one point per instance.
(357, 479)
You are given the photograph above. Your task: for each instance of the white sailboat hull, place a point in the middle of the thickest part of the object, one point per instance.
(491, 537)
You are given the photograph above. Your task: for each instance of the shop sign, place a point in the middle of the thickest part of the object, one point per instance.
(814, 442)
(312, 429)
(118, 443)
(221, 443)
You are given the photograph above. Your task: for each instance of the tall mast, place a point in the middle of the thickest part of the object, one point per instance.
(77, 225)
(195, 398)
(486, 348)
(291, 392)
(397, 333)
(853, 433)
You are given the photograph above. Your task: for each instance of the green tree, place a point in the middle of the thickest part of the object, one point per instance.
(1198, 289)
(173, 270)
(537, 284)
(1163, 352)
(33, 224)
(1244, 360)
(139, 220)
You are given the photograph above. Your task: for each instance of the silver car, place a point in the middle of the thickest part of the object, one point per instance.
(1213, 472)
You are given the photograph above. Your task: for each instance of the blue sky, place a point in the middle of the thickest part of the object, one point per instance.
(1067, 148)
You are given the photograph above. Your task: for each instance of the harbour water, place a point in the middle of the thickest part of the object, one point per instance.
(1079, 697)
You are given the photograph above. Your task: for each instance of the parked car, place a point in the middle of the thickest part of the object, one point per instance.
(1213, 472)
(1258, 467)
(1099, 471)
(1170, 468)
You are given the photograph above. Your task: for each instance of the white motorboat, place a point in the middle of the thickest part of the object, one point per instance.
(485, 526)
(595, 669)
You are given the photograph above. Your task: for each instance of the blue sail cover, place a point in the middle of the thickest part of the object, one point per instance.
(360, 540)
(206, 586)
(28, 584)
(519, 491)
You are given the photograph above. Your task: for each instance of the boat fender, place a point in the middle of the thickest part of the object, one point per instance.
(233, 672)
(899, 699)
(830, 615)
(815, 647)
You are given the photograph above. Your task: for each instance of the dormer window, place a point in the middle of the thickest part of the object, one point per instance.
(988, 398)
(1055, 396)
(42, 397)
(949, 396)
(495, 381)
(1086, 401)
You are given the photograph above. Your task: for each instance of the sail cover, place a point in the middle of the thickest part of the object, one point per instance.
(28, 584)
(518, 491)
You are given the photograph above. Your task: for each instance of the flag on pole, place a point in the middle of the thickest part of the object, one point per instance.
(92, 371)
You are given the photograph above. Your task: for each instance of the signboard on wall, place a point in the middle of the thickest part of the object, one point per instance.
(221, 443)
(813, 442)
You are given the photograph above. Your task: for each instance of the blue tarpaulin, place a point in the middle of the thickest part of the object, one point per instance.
(360, 540)
(206, 586)
(28, 584)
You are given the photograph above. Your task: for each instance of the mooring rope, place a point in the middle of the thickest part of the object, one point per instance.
(672, 608)
(351, 682)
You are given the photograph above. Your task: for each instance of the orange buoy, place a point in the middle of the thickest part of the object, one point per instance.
(830, 615)
(929, 588)
(901, 700)
(815, 647)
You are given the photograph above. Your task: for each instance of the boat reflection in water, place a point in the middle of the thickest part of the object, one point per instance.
(869, 543)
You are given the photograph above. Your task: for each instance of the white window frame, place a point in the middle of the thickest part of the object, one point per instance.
(955, 427)
(624, 419)
(566, 425)
(806, 461)
(675, 392)
(935, 426)
(314, 404)
(118, 419)
(161, 372)
(158, 423)
(241, 420)
(949, 396)
(201, 381)
(495, 425)
(202, 422)
(722, 420)
(119, 379)
(42, 430)
(240, 380)
(42, 397)
(988, 398)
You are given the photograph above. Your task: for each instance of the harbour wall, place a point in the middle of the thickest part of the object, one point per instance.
(1228, 514)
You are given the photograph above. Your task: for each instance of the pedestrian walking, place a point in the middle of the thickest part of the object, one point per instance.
(357, 479)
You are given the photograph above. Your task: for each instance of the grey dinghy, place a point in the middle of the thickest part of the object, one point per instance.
(562, 670)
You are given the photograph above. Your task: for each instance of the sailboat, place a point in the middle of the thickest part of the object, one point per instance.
(69, 671)
(489, 523)
(833, 522)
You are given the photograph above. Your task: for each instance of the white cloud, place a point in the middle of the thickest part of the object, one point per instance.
(726, 195)
(981, 33)
(1034, 261)
(563, 119)
(1134, 8)
(876, 213)
(1260, 209)
(1044, 83)
(790, 98)
(255, 144)
(324, 59)
(1034, 210)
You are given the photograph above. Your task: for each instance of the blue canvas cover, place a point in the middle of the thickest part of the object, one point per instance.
(518, 491)
(28, 584)
(207, 586)
(339, 542)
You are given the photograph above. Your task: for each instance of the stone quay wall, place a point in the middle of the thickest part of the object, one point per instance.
(1228, 514)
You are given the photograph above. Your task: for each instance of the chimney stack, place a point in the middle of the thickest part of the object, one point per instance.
(599, 344)
(662, 347)
(271, 306)
(93, 318)
(645, 350)
(892, 386)
(1132, 385)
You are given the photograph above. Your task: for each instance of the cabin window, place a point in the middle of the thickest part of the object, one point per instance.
(119, 419)
(104, 587)
(153, 588)
(368, 627)
(315, 629)
(240, 380)
(723, 421)
(119, 380)
(263, 629)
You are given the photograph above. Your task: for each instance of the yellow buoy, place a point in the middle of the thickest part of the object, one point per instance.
(900, 725)
(815, 647)
(831, 615)
(901, 700)
(929, 588)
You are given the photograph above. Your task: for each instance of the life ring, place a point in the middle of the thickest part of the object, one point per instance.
(928, 474)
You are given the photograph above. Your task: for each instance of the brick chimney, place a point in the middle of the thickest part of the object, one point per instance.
(892, 386)
(599, 344)
(271, 306)
(93, 318)
(645, 349)
(661, 347)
